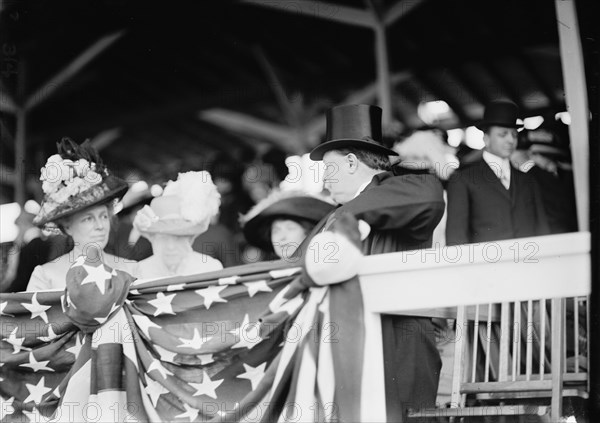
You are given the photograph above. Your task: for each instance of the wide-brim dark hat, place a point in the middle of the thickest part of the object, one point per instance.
(502, 113)
(109, 189)
(257, 229)
(353, 125)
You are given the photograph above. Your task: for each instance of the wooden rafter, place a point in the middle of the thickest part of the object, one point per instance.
(55, 82)
(538, 78)
(399, 10)
(322, 10)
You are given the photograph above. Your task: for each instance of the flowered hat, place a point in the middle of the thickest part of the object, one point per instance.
(73, 180)
(185, 207)
(286, 204)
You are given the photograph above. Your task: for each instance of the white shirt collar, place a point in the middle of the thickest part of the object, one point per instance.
(498, 165)
(361, 189)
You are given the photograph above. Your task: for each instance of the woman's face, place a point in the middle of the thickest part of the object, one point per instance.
(286, 236)
(89, 227)
(172, 249)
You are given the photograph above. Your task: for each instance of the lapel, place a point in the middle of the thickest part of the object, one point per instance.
(489, 177)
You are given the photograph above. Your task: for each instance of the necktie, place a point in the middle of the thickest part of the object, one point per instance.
(504, 178)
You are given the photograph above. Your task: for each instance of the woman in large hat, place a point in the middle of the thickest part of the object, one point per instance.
(280, 222)
(171, 223)
(78, 196)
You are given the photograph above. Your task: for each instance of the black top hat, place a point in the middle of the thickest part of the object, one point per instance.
(353, 125)
(499, 113)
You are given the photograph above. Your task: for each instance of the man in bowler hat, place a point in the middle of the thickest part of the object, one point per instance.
(489, 199)
(402, 207)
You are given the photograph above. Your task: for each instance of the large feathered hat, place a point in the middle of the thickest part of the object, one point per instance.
(286, 204)
(185, 207)
(75, 179)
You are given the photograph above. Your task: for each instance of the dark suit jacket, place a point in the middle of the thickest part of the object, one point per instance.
(480, 209)
(403, 207)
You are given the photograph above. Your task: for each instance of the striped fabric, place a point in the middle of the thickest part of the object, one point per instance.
(248, 343)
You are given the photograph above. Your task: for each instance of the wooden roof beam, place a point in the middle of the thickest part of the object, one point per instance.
(282, 136)
(443, 94)
(399, 10)
(538, 78)
(71, 69)
(503, 82)
(323, 10)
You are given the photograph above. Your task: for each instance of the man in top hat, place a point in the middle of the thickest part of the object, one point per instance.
(489, 199)
(402, 207)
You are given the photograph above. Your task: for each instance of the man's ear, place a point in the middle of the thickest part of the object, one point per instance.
(352, 161)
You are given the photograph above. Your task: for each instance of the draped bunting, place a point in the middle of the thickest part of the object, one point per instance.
(247, 343)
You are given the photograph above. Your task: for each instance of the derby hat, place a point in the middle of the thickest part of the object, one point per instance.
(499, 113)
(73, 180)
(293, 205)
(353, 125)
(186, 207)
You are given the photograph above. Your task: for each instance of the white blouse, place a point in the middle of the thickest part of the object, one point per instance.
(53, 275)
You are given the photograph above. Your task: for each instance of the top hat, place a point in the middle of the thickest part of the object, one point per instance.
(353, 125)
(75, 179)
(499, 113)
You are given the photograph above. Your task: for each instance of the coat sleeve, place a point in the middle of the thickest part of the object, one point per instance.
(542, 226)
(410, 202)
(457, 221)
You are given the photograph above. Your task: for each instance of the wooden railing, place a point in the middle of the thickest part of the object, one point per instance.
(442, 282)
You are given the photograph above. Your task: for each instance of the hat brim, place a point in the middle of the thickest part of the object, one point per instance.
(483, 125)
(178, 227)
(109, 189)
(257, 230)
(319, 151)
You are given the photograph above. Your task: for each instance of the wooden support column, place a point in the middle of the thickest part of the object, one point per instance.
(383, 73)
(19, 181)
(577, 103)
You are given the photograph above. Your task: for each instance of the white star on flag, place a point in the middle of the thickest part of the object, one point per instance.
(258, 286)
(6, 407)
(165, 354)
(75, 348)
(175, 287)
(205, 358)
(196, 342)
(98, 275)
(144, 323)
(36, 365)
(2, 307)
(253, 374)
(276, 274)
(280, 303)
(101, 320)
(17, 343)
(154, 390)
(190, 413)
(162, 303)
(207, 387)
(79, 261)
(36, 392)
(51, 335)
(69, 303)
(156, 365)
(211, 295)
(248, 334)
(36, 309)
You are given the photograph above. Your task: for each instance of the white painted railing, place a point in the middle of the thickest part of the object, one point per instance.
(430, 281)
